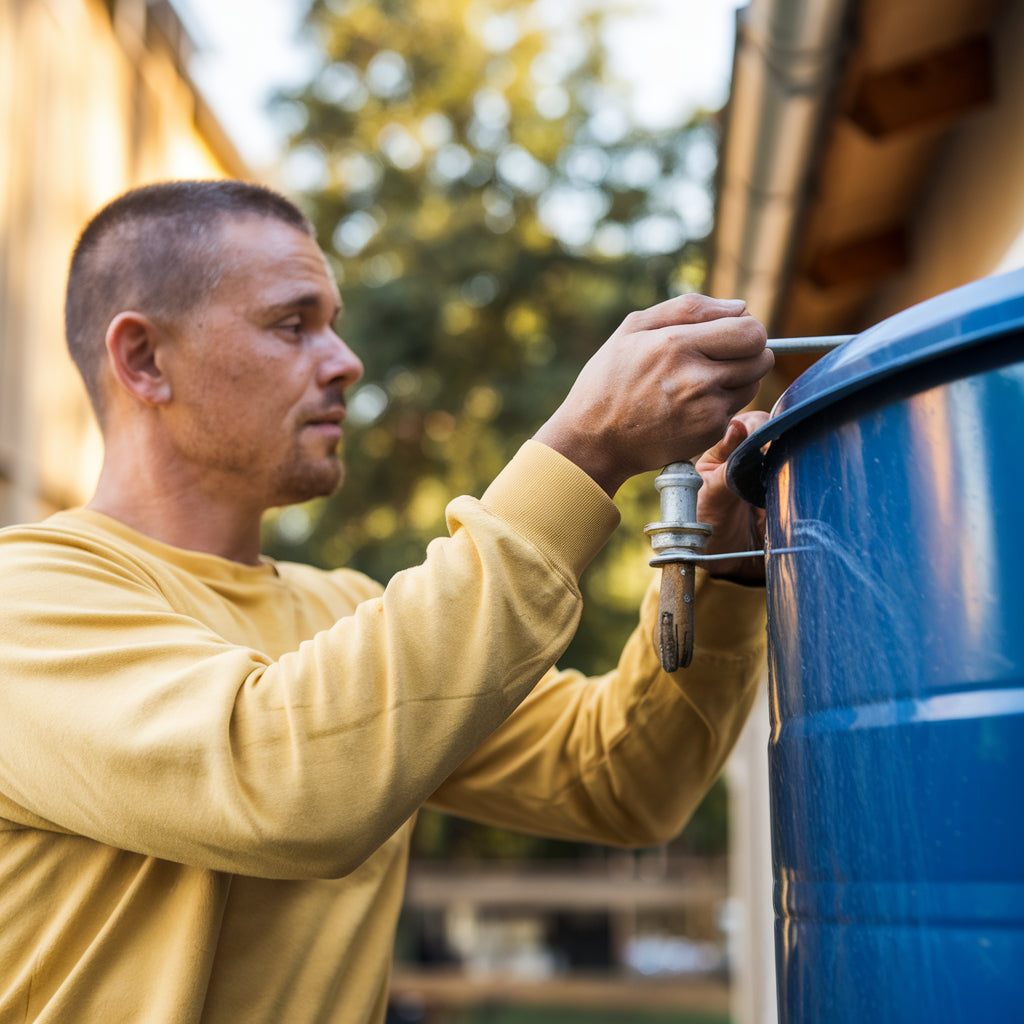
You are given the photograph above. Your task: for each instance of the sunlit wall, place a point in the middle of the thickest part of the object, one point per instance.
(92, 101)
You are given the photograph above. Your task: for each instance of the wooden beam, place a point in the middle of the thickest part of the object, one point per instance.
(604, 991)
(510, 889)
(938, 87)
(861, 261)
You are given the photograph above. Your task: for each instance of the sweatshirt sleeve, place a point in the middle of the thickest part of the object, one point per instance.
(124, 720)
(624, 758)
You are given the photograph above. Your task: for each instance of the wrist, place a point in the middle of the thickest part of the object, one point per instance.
(581, 450)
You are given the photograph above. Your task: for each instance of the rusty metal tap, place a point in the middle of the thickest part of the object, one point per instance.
(676, 539)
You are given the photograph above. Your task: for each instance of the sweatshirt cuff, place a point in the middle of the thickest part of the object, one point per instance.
(554, 504)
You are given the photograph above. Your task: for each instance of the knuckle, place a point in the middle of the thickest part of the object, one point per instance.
(634, 321)
(691, 305)
(755, 330)
(749, 331)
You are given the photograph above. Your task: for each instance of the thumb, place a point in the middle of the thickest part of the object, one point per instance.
(738, 430)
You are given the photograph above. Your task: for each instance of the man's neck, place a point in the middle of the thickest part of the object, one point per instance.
(179, 514)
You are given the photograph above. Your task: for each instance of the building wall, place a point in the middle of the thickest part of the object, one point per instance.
(93, 100)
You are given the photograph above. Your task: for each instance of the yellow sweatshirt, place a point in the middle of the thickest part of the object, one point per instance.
(209, 771)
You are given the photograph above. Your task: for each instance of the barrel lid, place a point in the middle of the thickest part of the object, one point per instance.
(937, 327)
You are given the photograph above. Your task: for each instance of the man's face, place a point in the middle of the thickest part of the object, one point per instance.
(259, 374)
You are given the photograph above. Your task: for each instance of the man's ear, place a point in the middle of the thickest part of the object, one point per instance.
(134, 348)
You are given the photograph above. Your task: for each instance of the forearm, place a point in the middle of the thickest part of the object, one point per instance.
(627, 757)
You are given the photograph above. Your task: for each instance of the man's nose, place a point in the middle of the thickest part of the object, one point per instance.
(339, 363)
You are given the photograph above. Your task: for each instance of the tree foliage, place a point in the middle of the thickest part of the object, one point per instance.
(491, 215)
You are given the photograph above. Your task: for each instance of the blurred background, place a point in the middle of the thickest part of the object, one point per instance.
(497, 183)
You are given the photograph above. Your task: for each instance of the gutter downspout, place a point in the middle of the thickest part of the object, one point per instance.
(787, 65)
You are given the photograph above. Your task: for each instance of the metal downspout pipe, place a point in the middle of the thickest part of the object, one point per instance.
(787, 63)
(786, 68)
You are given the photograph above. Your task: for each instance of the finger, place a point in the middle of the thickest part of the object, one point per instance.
(752, 419)
(742, 337)
(735, 382)
(740, 427)
(684, 309)
(739, 337)
(741, 372)
(735, 434)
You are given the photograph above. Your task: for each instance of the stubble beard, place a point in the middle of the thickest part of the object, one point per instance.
(303, 479)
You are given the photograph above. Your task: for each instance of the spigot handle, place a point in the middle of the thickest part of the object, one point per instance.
(674, 640)
(676, 539)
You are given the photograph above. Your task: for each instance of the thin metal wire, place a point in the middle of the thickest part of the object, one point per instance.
(735, 554)
(808, 346)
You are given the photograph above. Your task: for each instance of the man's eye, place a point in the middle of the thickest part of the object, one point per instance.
(294, 326)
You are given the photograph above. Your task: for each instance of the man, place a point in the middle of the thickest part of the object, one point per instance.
(210, 763)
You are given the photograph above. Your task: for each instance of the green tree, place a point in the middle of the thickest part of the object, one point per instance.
(491, 215)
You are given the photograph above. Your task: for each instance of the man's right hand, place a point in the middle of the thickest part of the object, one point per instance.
(661, 389)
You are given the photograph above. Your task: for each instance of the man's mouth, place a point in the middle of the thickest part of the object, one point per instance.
(328, 423)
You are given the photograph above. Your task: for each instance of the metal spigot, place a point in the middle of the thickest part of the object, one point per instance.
(676, 539)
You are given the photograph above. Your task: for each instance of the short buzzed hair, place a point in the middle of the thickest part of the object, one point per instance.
(155, 250)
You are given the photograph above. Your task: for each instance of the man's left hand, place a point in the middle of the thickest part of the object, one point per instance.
(737, 525)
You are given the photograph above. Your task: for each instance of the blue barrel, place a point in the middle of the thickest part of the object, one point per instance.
(893, 479)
